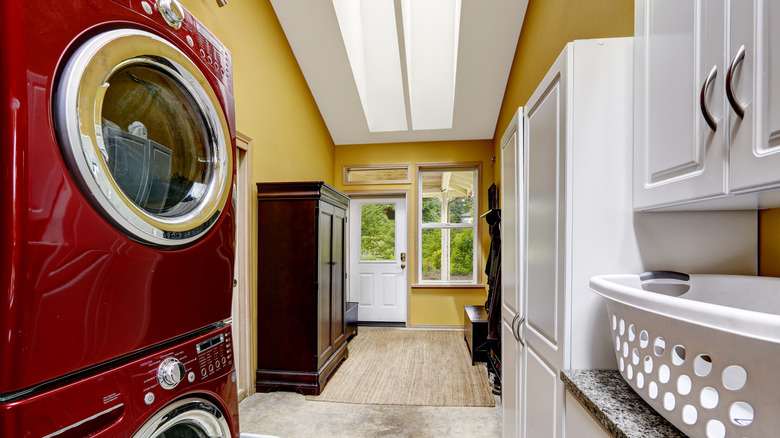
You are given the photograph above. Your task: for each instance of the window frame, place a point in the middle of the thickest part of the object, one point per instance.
(420, 169)
(348, 168)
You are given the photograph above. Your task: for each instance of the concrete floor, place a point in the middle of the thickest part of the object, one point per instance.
(289, 415)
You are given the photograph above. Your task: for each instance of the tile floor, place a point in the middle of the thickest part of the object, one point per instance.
(289, 415)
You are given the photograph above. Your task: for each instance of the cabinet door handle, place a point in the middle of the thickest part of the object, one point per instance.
(516, 328)
(703, 99)
(519, 335)
(739, 109)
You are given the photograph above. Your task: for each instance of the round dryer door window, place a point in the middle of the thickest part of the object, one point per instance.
(144, 135)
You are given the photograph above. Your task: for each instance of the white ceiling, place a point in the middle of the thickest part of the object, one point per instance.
(489, 30)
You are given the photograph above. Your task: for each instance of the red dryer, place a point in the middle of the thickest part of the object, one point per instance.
(116, 175)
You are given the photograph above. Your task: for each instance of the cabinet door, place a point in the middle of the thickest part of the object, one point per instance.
(338, 321)
(511, 373)
(511, 274)
(325, 273)
(754, 61)
(511, 217)
(678, 155)
(545, 259)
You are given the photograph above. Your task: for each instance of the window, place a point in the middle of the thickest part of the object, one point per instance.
(447, 224)
(376, 174)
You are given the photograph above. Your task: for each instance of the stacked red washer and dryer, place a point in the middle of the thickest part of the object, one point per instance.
(116, 221)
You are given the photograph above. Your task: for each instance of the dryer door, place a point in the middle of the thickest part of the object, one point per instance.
(190, 417)
(145, 137)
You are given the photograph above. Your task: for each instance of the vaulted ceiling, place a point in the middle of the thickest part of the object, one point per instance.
(488, 35)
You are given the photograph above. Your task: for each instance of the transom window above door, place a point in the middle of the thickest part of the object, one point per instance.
(447, 223)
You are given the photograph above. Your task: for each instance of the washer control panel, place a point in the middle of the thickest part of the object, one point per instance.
(178, 368)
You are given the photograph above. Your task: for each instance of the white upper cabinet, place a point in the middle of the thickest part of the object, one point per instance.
(707, 92)
(754, 70)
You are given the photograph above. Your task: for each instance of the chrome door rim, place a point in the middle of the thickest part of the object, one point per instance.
(195, 412)
(79, 100)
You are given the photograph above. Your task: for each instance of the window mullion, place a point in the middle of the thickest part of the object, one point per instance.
(445, 254)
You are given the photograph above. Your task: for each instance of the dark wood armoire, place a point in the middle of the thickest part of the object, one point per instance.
(301, 325)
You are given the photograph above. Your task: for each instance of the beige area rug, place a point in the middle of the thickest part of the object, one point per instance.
(408, 368)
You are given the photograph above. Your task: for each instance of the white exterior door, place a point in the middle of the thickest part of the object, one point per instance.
(545, 262)
(378, 258)
(512, 243)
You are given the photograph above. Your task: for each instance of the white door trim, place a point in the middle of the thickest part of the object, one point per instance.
(406, 194)
(243, 298)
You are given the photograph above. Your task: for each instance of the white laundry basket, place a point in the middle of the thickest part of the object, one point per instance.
(702, 350)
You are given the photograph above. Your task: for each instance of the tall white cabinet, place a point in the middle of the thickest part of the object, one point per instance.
(707, 103)
(566, 203)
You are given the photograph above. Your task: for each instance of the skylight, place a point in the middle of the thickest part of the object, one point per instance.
(430, 32)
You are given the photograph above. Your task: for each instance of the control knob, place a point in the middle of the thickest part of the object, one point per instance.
(170, 373)
(172, 12)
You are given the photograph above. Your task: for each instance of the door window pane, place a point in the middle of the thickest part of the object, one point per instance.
(377, 232)
(461, 256)
(431, 254)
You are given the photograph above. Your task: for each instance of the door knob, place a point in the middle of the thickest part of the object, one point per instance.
(403, 265)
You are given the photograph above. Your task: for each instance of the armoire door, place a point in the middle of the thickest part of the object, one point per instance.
(331, 304)
(324, 300)
(338, 301)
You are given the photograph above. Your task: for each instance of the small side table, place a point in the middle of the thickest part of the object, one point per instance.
(352, 319)
(475, 328)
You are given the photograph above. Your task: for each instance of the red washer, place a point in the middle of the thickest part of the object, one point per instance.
(139, 399)
(116, 174)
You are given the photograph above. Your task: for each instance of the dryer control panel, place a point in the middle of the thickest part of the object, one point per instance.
(187, 29)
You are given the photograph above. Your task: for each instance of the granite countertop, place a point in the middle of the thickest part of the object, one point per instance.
(616, 406)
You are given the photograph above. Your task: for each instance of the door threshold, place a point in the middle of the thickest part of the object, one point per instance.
(381, 324)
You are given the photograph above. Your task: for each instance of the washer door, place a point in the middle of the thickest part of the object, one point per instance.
(187, 418)
(145, 137)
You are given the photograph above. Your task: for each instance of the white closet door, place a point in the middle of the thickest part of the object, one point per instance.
(545, 282)
(512, 244)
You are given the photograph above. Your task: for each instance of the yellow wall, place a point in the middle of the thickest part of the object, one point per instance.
(274, 106)
(548, 26)
(428, 306)
(769, 243)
